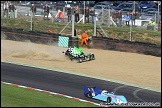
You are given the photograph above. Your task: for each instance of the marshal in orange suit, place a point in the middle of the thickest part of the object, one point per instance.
(84, 39)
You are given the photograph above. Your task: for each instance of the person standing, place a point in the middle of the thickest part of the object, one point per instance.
(84, 39)
(87, 14)
(127, 19)
(120, 18)
(69, 12)
(92, 14)
(5, 9)
(151, 24)
(12, 10)
(133, 17)
(33, 10)
(77, 12)
(46, 11)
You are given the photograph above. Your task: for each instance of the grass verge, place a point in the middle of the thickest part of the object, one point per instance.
(138, 34)
(12, 96)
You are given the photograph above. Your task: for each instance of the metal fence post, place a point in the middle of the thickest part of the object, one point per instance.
(155, 23)
(31, 21)
(131, 31)
(108, 16)
(72, 25)
(102, 14)
(94, 25)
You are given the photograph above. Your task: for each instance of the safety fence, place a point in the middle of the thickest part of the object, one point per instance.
(103, 15)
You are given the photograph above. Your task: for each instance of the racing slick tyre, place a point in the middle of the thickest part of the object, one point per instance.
(89, 95)
(80, 60)
(92, 57)
(109, 100)
(89, 58)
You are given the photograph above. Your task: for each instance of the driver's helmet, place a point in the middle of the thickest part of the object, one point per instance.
(104, 92)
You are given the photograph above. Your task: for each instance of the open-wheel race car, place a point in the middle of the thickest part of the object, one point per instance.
(78, 54)
(103, 95)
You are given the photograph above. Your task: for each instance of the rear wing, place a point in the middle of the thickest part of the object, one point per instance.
(89, 88)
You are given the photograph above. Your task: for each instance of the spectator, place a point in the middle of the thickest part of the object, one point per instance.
(92, 13)
(77, 12)
(127, 19)
(133, 17)
(87, 14)
(115, 16)
(69, 12)
(119, 18)
(12, 10)
(46, 11)
(151, 24)
(33, 10)
(60, 16)
(84, 39)
(5, 9)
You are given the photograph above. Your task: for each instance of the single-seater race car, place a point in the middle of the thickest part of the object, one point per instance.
(78, 54)
(104, 95)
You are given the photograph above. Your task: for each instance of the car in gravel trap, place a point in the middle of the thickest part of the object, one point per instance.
(78, 54)
(104, 95)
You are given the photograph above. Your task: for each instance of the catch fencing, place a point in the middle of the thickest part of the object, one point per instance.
(103, 15)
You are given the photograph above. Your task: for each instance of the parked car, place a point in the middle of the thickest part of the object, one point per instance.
(147, 4)
(25, 3)
(36, 3)
(39, 13)
(125, 10)
(50, 4)
(60, 3)
(105, 5)
(150, 9)
(128, 5)
(150, 15)
(98, 9)
(71, 3)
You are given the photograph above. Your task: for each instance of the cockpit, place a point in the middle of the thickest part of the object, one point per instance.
(105, 92)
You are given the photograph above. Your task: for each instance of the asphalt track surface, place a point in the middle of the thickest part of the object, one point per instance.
(70, 84)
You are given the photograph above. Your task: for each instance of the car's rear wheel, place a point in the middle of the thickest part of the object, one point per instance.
(92, 57)
(89, 95)
(109, 100)
(80, 60)
(89, 58)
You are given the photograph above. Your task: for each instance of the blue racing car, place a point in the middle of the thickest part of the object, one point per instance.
(104, 95)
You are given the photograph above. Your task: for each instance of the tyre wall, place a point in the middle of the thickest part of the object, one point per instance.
(125, 46)
(38, 37)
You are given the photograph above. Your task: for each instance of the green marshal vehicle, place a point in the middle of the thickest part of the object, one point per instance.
(78, 54)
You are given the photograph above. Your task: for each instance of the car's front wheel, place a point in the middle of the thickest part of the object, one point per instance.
(109, 100)
(92, 57)
(89, 95)
(80, 60)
